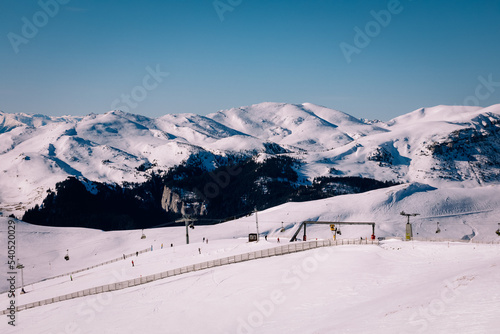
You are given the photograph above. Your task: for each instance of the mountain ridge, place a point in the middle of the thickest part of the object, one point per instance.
(434, 145)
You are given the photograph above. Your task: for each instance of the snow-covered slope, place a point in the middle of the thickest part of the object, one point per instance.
(435, 146)
(462, 214)
(447, 157)
(36, 152)
(306, 126)
(399, 287)
(444, 143)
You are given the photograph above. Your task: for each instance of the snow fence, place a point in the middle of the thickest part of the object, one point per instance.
(276, 251)
(121, 258)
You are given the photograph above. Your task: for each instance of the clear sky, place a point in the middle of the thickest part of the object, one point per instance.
(60, 57)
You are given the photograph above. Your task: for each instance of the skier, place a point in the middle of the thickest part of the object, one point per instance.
(199, 250)
(265, 237)
(278, 240)
(203, 239)
(136, 253)
(133, 263)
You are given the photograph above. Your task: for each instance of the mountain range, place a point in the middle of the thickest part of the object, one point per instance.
(442, 146)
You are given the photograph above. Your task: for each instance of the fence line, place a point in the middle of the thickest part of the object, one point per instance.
(92, 267)
(444, 240)
(342, 240)
(276, 251)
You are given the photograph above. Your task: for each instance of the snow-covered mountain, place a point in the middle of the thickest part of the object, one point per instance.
(308, 127)
(439, 145)
(447, 157)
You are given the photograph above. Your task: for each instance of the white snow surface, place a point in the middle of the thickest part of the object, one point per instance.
(398, 287)
(38, 151)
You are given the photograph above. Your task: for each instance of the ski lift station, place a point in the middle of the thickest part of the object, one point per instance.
(334, 227)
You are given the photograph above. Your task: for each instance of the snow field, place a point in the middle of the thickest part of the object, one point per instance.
(399, 287)
(412, 287)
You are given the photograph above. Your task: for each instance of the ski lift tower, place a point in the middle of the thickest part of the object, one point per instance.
(257, 223)
(409, 232)
(20, 266)
(187, 213)
(189, 224)
(188, 221)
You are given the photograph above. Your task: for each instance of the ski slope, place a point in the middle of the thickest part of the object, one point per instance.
(398, 287)
(462, 213)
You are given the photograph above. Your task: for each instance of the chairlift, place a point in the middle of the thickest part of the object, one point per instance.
(191, 226)
(438, 230)
(498, 231)
(339, 232)
(282, 228)
(66, 257)
(143, 236)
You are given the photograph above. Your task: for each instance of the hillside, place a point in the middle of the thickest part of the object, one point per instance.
(443, 146)
(404, 287)
(463, 214)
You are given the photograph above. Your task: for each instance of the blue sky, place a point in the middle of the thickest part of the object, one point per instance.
(88, 56)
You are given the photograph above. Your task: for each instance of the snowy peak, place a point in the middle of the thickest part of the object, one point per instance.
(442, 113)
(193, 127)
(305, 126)
(429, 145)
(9, 122)
(330, 115)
